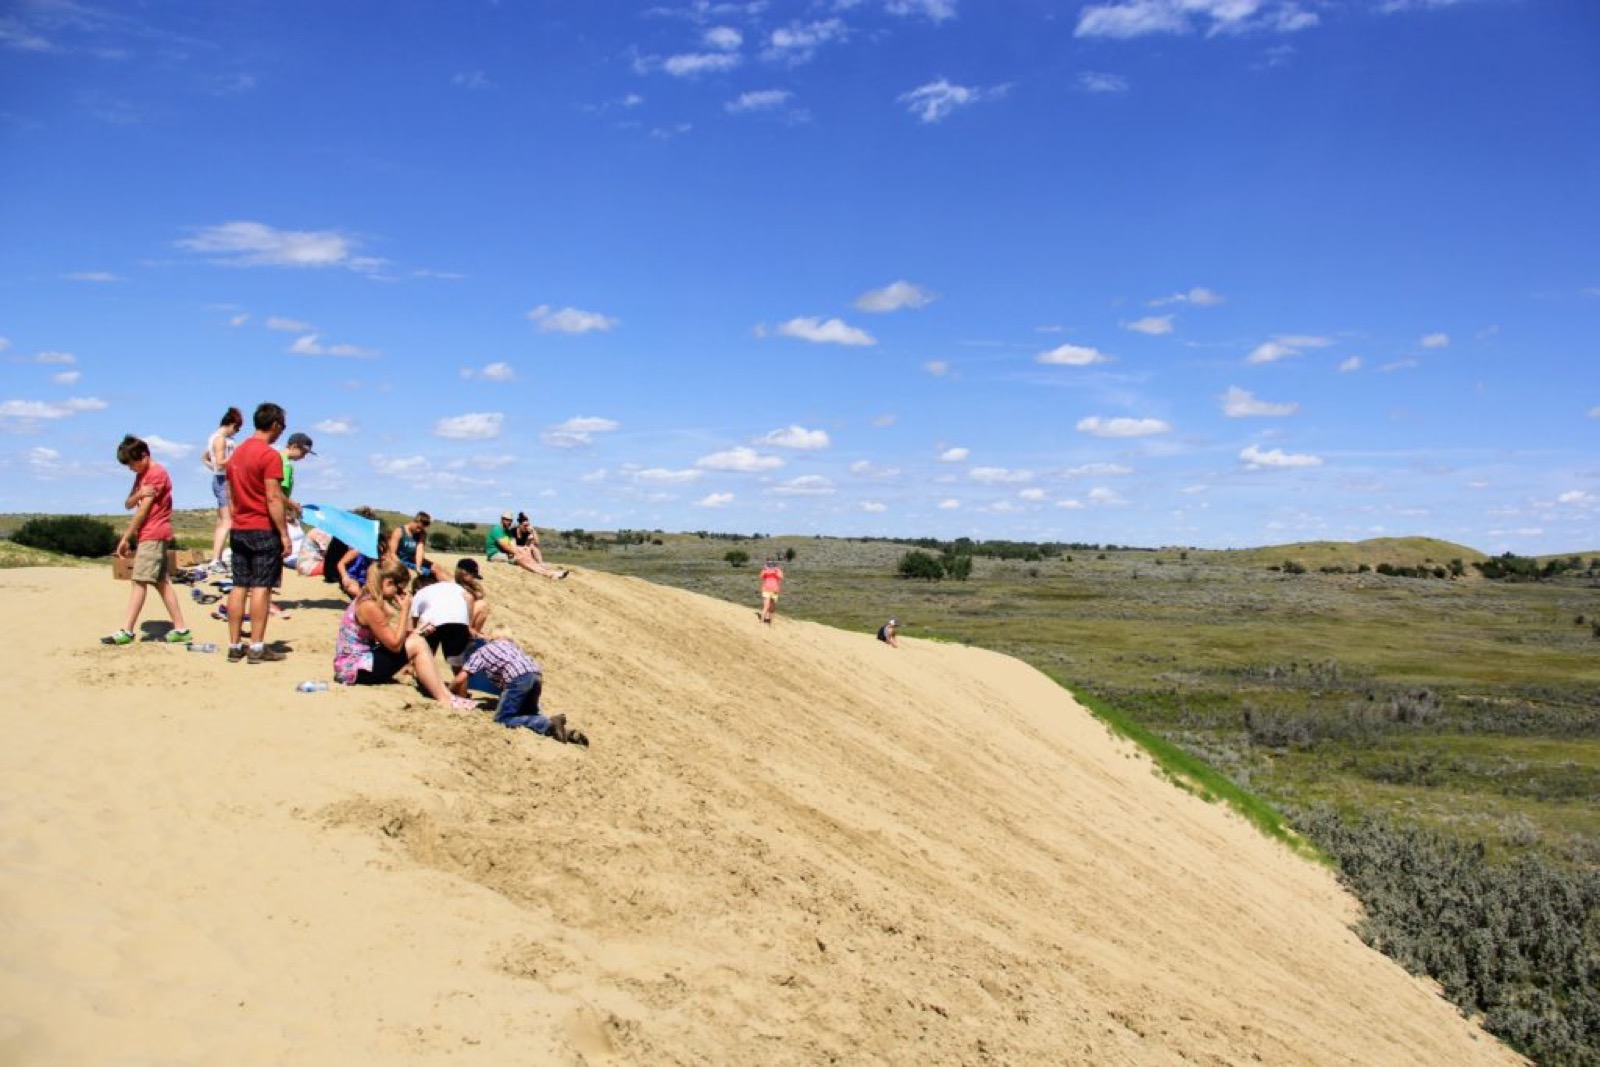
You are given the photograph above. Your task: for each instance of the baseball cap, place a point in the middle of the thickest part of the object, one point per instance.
(303, 441)
(893, 623)
(468, 565)
(505, 518)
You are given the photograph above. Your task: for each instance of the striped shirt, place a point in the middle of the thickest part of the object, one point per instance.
(502, 661)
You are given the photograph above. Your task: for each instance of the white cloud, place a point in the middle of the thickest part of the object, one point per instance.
(798, 42)
(5, 343)
(714, 500)
(570, 320)
(949, 505)
(1399, 364)
(577, 432)
(1123, 19)
(1033, 493)
(470, 79)
(55, 357)
(866, 469)
(491, 372)
(39, 409)
(954, 455)
(935, 101)
(691, 64)
(999, 475)
(933, 10)
(741, 459)
(1284, 346)
(833, 331)
(336, 427)
(1351, 364)
(936, 367)
(797, 437)
(895, 296)
(254, 244)
(661, 476)
(805, 485)
(1121, 427)
(1435, 340)
(723, 38)
(874, 507)
(1154, 325)
(1105, 497)
(1091, 81)
(1240, 403)
(419, 473)
(1576, 496)
(1097, 470)
(473, 427)
(1255, 458)
(1072, 356)
(239, 319)
(162, 448)
(1198, 296)
(757, 100)
(289, 325)
(91, 276)
(1071, 504)
(1594, 412)
(311, 345)
(66, 377)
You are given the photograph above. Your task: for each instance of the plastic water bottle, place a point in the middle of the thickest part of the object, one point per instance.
(207, 647)
(312, 687)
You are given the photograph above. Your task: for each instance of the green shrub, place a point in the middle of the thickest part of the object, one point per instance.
(72, 535)
(736, 557)
(441, 540)
(915, 564)
(1518, 943)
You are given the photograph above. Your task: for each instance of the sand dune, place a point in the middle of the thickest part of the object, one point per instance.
(786, 845)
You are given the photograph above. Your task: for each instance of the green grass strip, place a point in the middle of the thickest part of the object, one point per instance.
(1189, 773)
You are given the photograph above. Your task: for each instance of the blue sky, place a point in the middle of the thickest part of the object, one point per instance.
(1158, 272)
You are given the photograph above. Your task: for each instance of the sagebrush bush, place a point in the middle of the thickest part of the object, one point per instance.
(1518, 943)
(441, 540)
(72, 535)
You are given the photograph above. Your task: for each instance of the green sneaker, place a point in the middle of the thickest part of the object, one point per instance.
(179, 637)
(121, 637)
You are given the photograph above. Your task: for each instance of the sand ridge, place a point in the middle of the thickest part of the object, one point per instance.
(788, 844)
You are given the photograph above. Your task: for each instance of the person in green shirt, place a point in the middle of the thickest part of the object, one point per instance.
(298, 448)
(500, 547)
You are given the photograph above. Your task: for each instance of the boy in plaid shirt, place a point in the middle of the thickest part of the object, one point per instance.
(520, 680)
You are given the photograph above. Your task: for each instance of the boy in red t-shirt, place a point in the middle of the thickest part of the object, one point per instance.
(260, 538)
(150, 529)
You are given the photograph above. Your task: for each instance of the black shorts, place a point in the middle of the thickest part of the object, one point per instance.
(385, 665)
(454, 637)
(257, 559)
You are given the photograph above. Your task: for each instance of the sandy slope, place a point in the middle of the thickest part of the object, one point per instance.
(787, 845)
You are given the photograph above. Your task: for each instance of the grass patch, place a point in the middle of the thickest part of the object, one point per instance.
(1194, 775)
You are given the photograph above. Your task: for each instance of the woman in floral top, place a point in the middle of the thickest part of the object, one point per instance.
(375, 644)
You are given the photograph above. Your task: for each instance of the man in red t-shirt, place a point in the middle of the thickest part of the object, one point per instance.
(150, 529)
(260, 537)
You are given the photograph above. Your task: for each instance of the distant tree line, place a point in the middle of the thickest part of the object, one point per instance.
(1514, 568)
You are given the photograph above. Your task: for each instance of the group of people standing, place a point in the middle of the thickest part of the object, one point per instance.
(403, 609)
(251, 488)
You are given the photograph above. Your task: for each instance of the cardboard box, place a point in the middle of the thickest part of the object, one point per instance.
(122, 566)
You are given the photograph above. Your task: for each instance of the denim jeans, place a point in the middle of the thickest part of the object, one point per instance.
(519, 704)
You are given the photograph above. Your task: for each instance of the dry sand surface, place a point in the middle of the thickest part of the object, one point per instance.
(786, 845)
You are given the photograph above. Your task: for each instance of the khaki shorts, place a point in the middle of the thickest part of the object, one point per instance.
(767, 594)
(150, 562)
